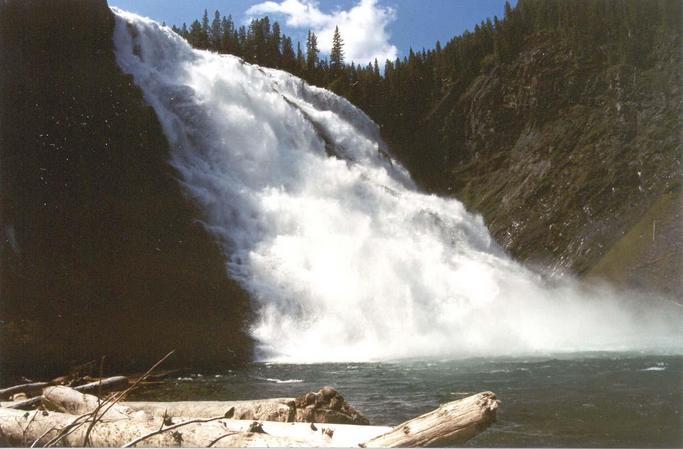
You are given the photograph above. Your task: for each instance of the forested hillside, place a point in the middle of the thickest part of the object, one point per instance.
(559, 123)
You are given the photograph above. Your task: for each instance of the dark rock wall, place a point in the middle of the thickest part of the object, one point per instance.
(563, 156)
(100, 252)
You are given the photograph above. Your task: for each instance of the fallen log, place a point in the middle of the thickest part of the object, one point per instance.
(29, 389)
(452, 423)
(277, 409)
(154, 377)
(114, 383)
(68, 400)
(19, 428)
(323, 406)
(100, 386)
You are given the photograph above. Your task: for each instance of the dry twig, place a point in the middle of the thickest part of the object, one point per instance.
(95, 415)
(173, 427)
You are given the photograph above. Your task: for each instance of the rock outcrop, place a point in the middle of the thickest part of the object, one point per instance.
(327, 406)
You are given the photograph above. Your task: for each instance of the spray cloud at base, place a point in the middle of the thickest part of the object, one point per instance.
(344, 258)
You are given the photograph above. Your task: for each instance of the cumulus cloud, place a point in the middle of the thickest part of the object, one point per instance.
(364, 27)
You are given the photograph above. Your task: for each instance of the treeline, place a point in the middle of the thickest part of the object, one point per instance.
(264, 43)
(410, 90)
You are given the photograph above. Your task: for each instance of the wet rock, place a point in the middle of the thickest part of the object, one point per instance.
(327, 393)
(327, 406)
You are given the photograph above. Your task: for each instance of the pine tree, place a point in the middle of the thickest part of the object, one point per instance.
(228, 39)
(216, 32)
(288, 61)
(311, 52)
(204, 37)
(242, 41)
(300, 60)
(274, 53)
(337, 53)
(195, 35)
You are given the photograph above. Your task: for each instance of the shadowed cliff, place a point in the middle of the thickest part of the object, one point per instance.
(100, 252)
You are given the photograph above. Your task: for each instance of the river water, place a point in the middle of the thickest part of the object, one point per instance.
(569, 400)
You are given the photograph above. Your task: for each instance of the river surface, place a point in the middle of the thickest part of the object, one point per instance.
(578, 400)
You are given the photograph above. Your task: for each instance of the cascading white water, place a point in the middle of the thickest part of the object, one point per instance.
(344, 258)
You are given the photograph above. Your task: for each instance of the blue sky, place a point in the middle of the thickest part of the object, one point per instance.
(370, 28)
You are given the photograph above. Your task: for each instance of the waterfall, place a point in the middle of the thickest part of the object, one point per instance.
(344, 258)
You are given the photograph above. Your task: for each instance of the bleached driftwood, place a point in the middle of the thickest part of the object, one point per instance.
(277, 409)
(67, 400)
(104, 385)
(29, 389)
(323, 406)
(19, 428)
(109, 384)
(452, 423)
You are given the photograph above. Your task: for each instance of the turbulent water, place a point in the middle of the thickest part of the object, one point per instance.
(344, 258)
(569, 400)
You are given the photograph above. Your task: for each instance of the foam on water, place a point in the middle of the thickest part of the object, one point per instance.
(344, 258)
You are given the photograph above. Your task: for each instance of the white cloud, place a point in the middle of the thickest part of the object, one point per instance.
(363, 28)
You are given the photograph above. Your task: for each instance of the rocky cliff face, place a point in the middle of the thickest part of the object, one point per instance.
(572, 160)
(101, 253)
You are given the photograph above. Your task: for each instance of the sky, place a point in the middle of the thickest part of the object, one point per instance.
(382, 29)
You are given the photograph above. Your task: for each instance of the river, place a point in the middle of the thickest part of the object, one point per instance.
(570, 400)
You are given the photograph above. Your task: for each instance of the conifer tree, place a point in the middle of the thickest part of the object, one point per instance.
(183, 31)
(288, 56)
(311, 52)
(195, 35)
(300, 59)
(204, 36)
(216, 32)
(337, 53)
(274, 43)
(242, 41)
(228, 39)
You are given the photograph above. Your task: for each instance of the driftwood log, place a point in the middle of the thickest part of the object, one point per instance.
(100, 386)
(324, 406)
(183, 433)
(67, 400)
(277, 409)
(30, 389)
(124, 426)
(452, 423)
